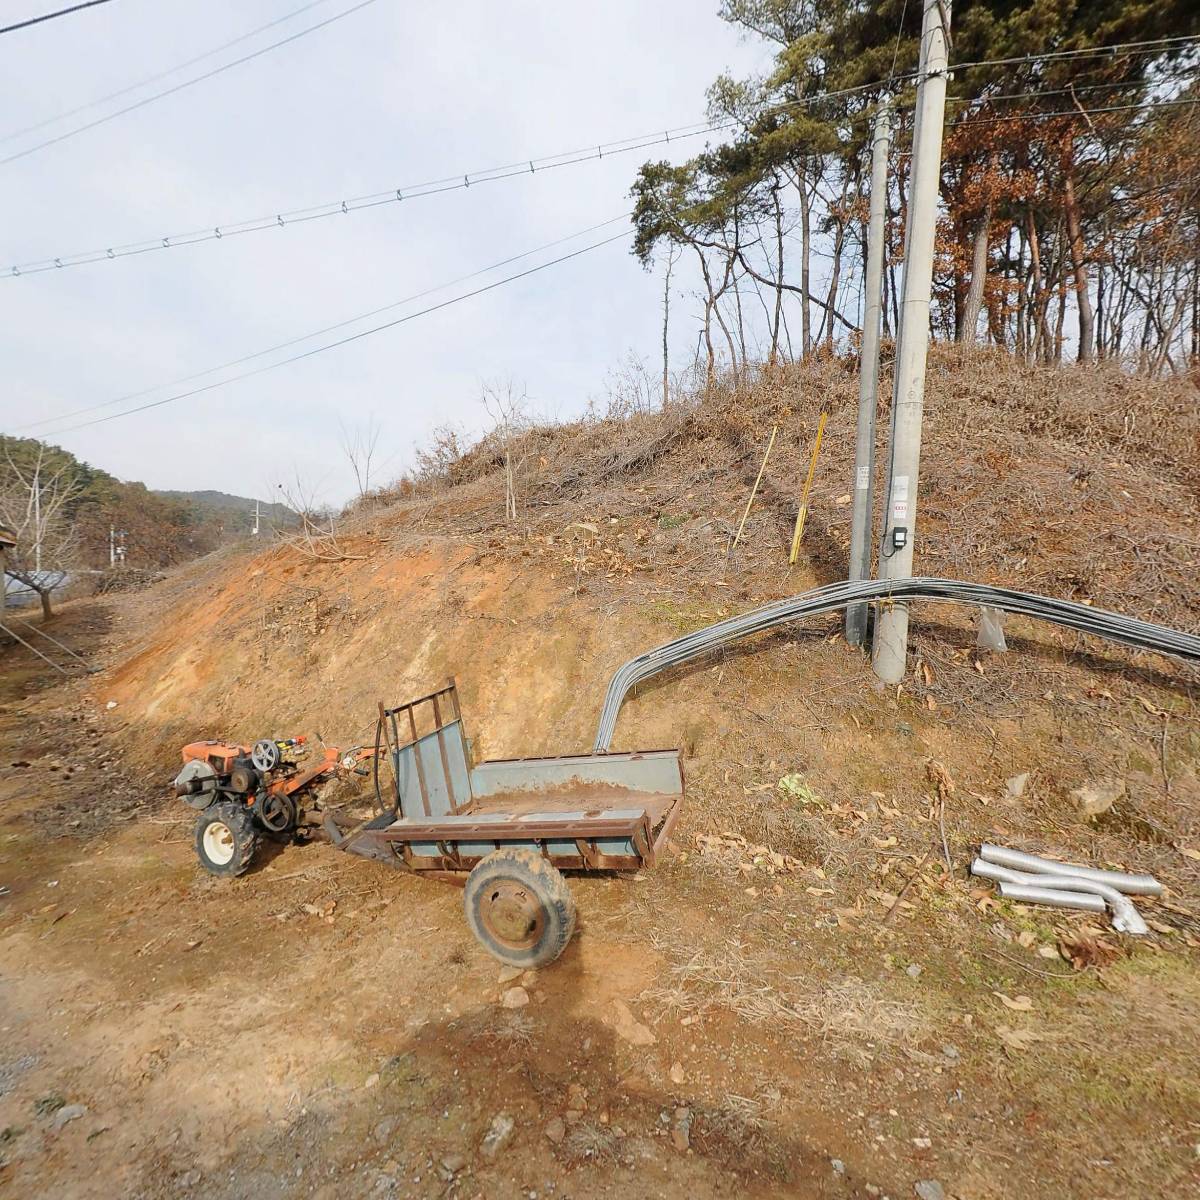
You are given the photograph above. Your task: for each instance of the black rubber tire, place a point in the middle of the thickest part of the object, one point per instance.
(528, 874)
(243, 835)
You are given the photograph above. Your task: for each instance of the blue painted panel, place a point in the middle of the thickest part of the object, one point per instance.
(616, 846)
(655, 771)
(445, 794)
(474, 848)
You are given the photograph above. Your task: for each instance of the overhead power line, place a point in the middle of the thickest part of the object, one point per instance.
(237, 62)
(1151, 46)
(62, 12)
(354, 337)
(459, 181)
(363, 316)
(1074, 89)
(1076, 112)
(141, 83)
(463, 180)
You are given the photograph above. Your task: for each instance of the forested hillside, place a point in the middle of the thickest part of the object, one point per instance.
(1070, 182)
(80, 504)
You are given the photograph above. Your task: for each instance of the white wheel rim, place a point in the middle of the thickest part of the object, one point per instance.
(218, 843)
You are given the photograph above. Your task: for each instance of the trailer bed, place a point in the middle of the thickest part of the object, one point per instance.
(444, 813)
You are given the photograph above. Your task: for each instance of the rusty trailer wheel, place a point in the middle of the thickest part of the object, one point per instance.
(519, 908)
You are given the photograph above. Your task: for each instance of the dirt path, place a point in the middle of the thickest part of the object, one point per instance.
(326, 1026)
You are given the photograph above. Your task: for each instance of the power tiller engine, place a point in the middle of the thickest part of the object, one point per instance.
(244, 793)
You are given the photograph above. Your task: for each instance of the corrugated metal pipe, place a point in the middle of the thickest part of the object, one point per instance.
(1068, 887)
(1018, 860)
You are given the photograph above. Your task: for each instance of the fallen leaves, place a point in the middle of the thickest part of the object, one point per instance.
(1016, 1003)
(795, 787)
(1088, 949)
(1020, 1040)
(750, 858)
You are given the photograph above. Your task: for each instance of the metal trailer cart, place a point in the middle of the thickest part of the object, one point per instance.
(508, 827)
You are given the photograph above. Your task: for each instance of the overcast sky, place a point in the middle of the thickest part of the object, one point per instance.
(393, 94)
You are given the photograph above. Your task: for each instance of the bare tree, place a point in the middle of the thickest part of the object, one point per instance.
(34, 501)
(318, 536)
(508, 411)
(359, 445)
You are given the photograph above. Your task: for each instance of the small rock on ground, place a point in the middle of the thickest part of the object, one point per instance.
(681, 1129)
(1096, 798)
(508, 974)
(515, 997)
(630, 1028)
(1015, 785)
(68, 1112)
(929, 1189)
(498, 1135)
(556, 1130)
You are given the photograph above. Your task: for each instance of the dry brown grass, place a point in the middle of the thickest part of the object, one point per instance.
(1077, 482)
(591, 1142)
(845, 1012)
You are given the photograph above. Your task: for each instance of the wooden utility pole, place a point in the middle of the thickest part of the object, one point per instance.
(861, 540)
(890, 644)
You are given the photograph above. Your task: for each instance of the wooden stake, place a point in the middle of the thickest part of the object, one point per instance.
(802, 514)
(754, 489)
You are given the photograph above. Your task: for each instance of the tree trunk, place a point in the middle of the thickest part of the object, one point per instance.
(835, 279)
(774, 352)
(666, 379)
(1039, 296)
(715, 297)
(969, 329)
(44, 597)
(1196, 301)
(805, 265)
(1075, 237)
(1060, 323)
(708, 308)
(1021, 316)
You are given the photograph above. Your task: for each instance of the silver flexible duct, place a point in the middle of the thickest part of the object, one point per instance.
(1044, 895)
(1017, 860)
(1015, 885)
(1128, 631)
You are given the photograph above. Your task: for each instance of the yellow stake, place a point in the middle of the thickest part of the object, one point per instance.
(754, 489)
(802, 515)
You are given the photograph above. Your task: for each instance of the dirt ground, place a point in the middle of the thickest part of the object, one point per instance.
(869, 1022)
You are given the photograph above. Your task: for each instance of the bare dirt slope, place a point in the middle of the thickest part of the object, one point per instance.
(723, 1026)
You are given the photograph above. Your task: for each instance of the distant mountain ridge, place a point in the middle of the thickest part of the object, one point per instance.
(236, 513)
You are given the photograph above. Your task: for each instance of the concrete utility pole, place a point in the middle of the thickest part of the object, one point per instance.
(908, 397)
(861, 540)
